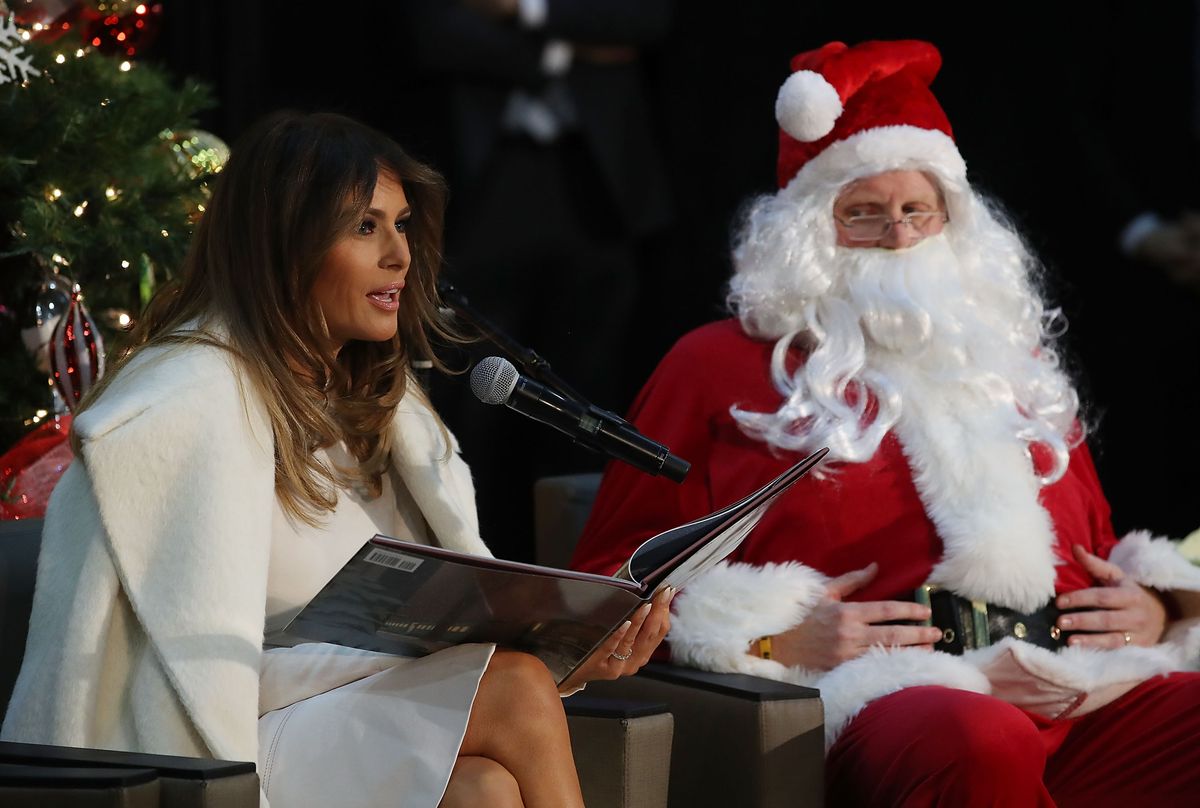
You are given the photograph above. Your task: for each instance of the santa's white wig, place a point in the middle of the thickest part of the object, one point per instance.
(964, 307)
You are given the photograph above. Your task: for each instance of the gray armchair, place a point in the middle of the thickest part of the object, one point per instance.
(739, 740)
(622, 749)
(36, 775)
(56, 775)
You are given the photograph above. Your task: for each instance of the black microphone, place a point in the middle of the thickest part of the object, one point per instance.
(495, 381)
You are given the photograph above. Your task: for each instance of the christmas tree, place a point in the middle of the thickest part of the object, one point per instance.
(101, 178)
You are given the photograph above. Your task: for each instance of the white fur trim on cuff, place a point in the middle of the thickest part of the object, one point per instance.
(1090, 677)
(807, 106)
(718, 614)
(1155, 562)
(1185, 641)
(881, 671)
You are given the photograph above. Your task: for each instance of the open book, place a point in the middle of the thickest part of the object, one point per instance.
(413, 599)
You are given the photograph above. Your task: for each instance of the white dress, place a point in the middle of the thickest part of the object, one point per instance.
(352, 728)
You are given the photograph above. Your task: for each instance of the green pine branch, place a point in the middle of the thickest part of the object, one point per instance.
(88, 173)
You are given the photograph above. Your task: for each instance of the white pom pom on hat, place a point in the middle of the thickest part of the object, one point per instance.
(807, 106)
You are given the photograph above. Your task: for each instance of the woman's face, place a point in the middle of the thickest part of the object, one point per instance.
(359, 284)
(895, 195)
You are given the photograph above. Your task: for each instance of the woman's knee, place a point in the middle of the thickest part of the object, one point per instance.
(519, 686)
(521, 676)
(481, 781)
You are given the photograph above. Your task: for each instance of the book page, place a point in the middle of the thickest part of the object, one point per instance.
(713, 552)
(702, 543)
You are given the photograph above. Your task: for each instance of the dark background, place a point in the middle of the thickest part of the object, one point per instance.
(1075, 116)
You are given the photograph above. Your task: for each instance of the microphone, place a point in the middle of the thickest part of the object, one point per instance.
(495, 381)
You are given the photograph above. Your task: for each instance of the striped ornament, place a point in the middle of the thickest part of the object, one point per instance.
(76, 353)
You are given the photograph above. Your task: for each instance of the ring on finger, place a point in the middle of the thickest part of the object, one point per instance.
(622, 657)
(1128, 637)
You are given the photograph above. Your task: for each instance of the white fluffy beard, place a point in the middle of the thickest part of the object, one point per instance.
(917, 306)
(948, 319)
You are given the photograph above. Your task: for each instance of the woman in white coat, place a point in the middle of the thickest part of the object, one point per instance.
(262, 424)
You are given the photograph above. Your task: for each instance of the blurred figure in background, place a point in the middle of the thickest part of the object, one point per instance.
(558, 180)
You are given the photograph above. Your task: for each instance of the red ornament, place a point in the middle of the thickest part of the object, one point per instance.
(31, 468)
(76, 353)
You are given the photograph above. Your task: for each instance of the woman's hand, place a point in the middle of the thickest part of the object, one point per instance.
(835, 632)
(629, 647)
(1124, 612)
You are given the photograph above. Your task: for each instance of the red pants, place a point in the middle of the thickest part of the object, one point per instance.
(939, 746)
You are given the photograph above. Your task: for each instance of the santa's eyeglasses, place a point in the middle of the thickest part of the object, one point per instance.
(873, 228)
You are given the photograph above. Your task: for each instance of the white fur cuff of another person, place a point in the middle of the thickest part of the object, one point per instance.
(1155, 562)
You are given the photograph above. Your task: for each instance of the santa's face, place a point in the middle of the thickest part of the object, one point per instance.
(906, 203)
(955, 312)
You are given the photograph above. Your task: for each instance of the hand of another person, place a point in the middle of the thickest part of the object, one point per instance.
(493, 8)
(835, 632)
(1122, 612)
(604, 54)
(1174, 246)
(635, 641)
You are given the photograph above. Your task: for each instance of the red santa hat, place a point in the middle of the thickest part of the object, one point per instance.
(849, 112)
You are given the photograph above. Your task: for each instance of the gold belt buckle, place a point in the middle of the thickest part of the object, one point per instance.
(979, 617)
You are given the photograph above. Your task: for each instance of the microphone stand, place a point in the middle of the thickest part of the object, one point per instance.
(529, 361)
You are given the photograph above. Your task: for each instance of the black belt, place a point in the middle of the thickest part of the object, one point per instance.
(969, 624)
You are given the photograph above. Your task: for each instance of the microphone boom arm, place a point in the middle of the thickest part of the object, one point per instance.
(530, 362)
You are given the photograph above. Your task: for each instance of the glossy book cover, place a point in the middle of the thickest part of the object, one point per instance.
(414, 599)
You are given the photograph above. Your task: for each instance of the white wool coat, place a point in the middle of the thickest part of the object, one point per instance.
(148, 613)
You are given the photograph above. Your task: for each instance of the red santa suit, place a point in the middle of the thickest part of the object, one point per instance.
(988, 531)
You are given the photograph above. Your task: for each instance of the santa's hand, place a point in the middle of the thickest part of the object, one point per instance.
(1119, 612)
(1174, 246)
(628, 648)
(835, 632)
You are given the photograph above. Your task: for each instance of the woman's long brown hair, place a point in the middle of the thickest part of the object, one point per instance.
(293, 186)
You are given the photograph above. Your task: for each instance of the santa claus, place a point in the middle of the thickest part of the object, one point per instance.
(950, 580)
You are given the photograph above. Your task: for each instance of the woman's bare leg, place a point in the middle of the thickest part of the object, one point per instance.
(518, 722)
(481, 781)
